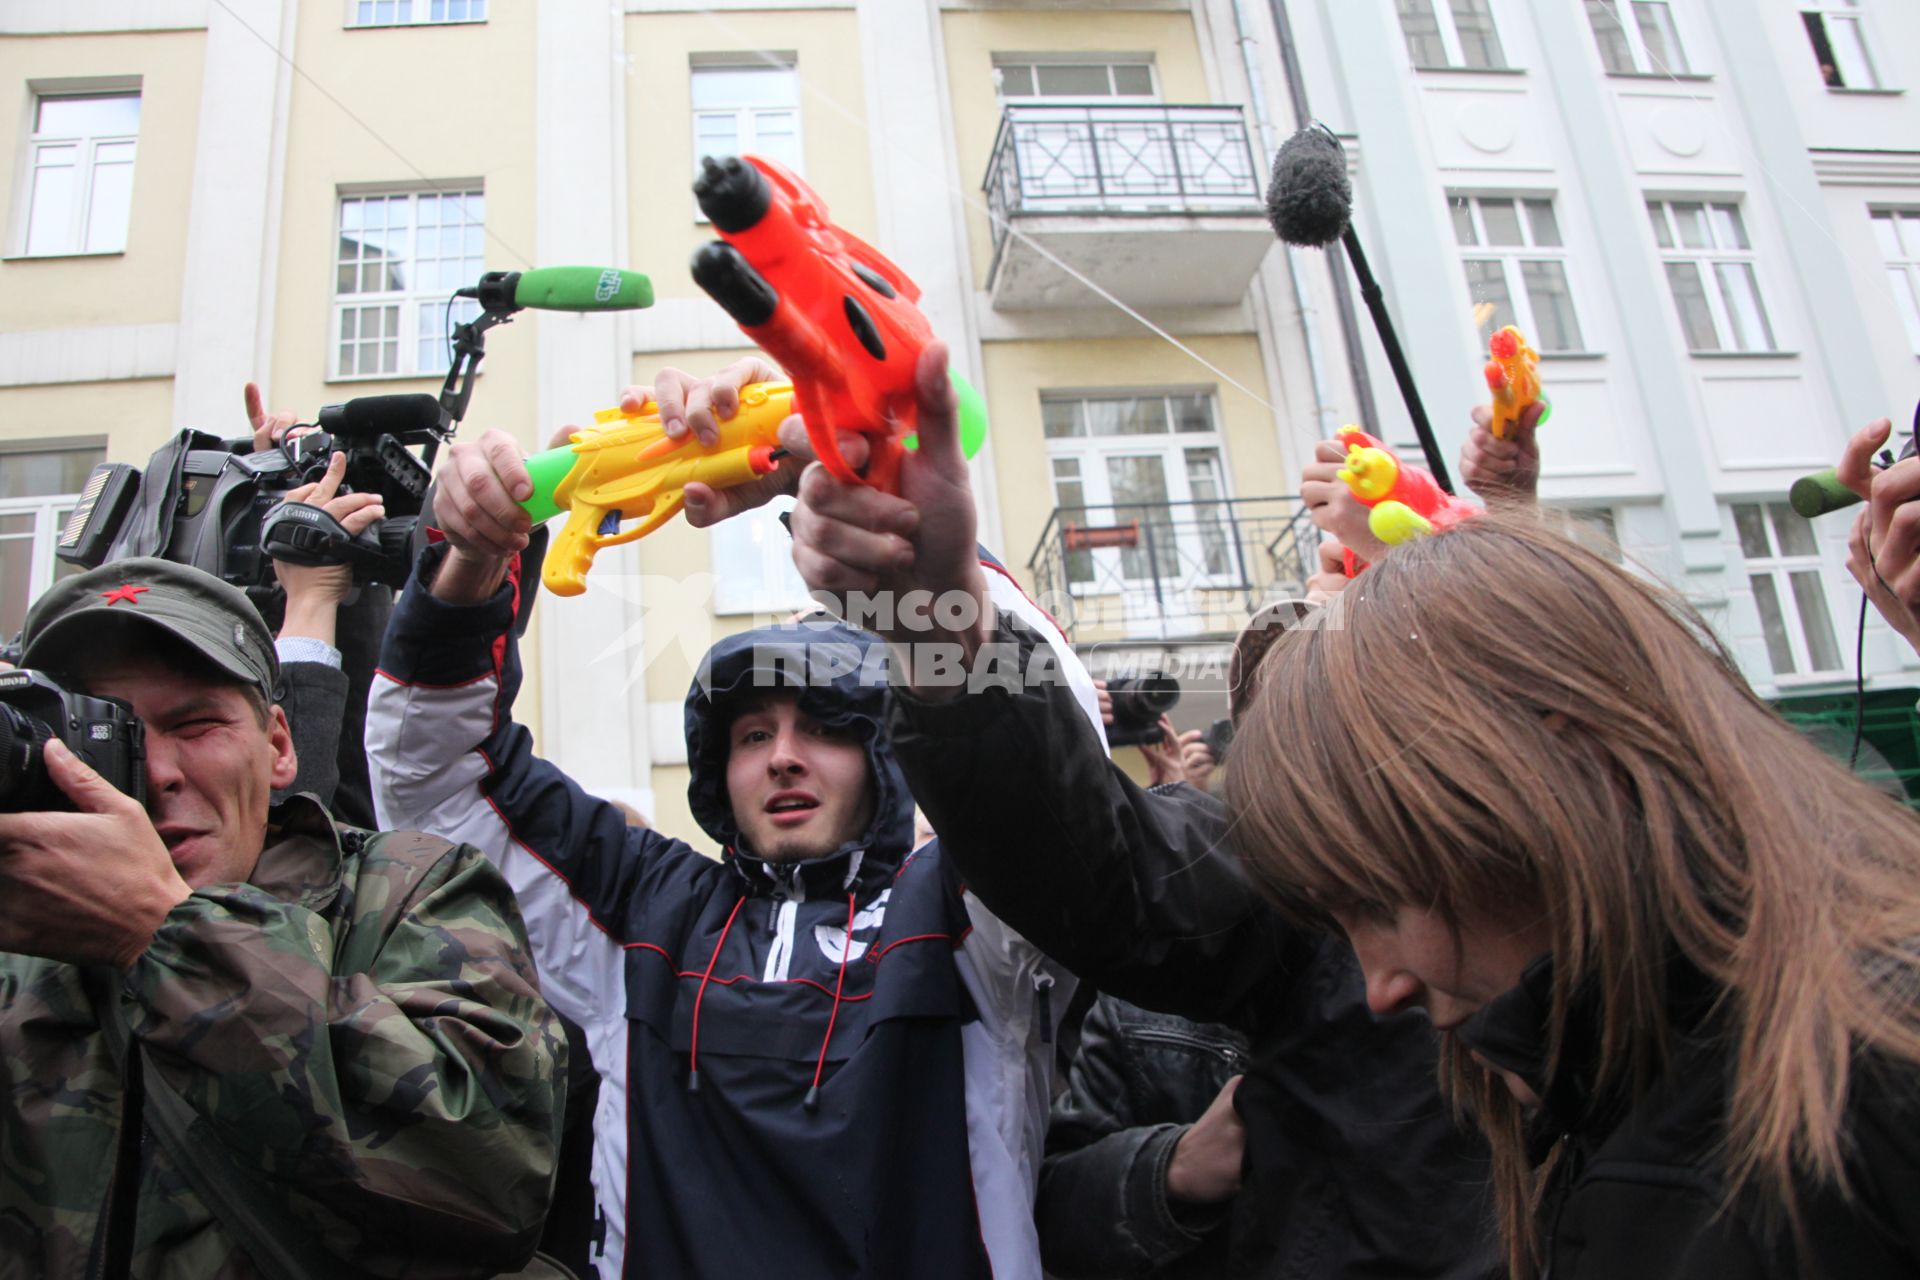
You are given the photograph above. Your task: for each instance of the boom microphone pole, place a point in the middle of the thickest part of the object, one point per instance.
(1310, 203)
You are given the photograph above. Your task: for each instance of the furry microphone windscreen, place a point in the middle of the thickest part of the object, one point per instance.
(1310, 199)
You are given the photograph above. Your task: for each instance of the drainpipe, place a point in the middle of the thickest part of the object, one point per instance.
(1342, 299)
(1303, 303)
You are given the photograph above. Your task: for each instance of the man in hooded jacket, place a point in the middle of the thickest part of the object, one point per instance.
(819, 1055)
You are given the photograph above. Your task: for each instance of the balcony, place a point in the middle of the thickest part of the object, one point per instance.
(1159, 206)
(1191, 571)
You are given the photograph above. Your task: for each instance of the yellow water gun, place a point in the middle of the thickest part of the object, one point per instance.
(611, 474)
(1513, 376)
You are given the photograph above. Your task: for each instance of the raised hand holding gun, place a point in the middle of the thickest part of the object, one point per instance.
(1503, 469)
(855, 537)
(1333, 506)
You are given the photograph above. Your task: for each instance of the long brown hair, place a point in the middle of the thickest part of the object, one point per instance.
(1495, 715)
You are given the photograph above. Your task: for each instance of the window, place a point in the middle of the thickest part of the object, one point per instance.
(400, 257)
(80, 172)
(1030, 80)
(1637, 37)
(402, 13)
(1451, 33)
(1595, 528)
(1710, 269)
(1522, 278)
(741, 110)
(1898, 232)
(753, 563)
(1783, 568)
(37, 491)
(1840, 45)
(1153, 461)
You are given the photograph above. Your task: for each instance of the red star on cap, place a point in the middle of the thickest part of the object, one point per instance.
(125, 591)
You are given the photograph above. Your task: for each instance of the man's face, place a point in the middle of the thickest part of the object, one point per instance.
(211, 765)
(799, 789)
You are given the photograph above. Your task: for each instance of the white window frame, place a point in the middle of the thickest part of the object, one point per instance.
(1830, 16)
(1443, 17)
(1630, 16)
(88, 147)
(746, 115)
(49, 513)
(752, 556)
(1797, 583)
(1090, 452)
(1108, 60)
(1512, 258)
(413, 302)
(1707, 260)
(1900, 247)
(418, 13)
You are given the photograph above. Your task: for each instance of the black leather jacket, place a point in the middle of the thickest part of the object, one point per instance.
(1138, 1082)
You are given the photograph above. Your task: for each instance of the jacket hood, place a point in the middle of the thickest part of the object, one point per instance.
(841, 676)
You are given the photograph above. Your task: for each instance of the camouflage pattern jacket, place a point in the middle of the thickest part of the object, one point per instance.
(362, 1025)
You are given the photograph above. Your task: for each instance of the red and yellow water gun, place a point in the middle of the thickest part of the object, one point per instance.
(1403, 502)
(1513, 376)
(635, 471)
(831, 309)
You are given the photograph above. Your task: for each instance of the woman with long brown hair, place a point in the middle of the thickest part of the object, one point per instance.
(1673, 949)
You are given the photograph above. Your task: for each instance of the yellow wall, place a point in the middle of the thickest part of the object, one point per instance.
(672, 816)
(833, 109)
(142, 285)
(974, 37)
(1017, 373)
(123, 413)
(454, 103)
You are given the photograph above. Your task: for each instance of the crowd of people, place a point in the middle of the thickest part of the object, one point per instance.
(1516, 938)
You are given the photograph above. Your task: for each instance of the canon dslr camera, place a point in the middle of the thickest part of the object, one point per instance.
(104, 732)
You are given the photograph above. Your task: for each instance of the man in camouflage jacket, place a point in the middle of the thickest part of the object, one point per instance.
(354, 1015)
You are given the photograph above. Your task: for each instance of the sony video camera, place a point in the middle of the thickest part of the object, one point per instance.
(104, 732)
(220, 506)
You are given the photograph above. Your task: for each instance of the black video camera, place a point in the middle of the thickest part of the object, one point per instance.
(104, 732)
(1138, 704)
(220, 506)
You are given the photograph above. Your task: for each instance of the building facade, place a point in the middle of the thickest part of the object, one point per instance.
(1703, 211)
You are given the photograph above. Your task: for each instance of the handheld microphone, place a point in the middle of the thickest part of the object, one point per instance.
(561, 289)
(1310, 204)
(1815, 495)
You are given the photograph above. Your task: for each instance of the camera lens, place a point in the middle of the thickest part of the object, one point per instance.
(23, 768)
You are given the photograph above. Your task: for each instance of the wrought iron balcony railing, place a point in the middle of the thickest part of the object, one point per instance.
(1167, 569)
(1149, 159)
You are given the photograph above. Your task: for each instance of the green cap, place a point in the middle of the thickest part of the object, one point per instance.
(213, 619)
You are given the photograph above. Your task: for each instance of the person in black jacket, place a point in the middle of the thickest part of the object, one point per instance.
(821, 1057)
(1674, 948)
(1145, 1149)
(1354, 1167)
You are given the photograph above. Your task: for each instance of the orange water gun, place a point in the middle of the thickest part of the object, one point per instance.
(635, 471)
(1513, 376)
(1403, 502)
(830, 308)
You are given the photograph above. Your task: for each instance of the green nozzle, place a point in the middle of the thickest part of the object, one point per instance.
(548, 470)
(973, 416)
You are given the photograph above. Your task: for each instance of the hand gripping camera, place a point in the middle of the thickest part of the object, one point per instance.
(221, 507)
(102, 731)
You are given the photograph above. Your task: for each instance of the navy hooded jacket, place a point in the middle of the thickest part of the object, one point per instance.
(836, 1068)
